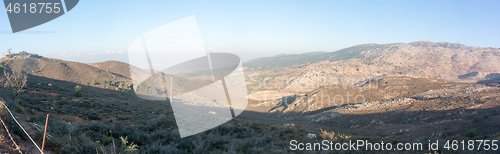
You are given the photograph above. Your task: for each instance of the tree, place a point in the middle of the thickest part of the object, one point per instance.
(9, 53)
(14, 81)
(23, 53)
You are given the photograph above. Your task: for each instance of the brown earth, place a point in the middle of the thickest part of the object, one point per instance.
(394, 107)
(449, 61)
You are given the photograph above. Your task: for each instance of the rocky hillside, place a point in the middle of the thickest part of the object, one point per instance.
(450, 61)
(390, 106)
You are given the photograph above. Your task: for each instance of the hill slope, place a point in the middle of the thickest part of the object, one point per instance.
(395, 53)
(65, 70)
(454, 62)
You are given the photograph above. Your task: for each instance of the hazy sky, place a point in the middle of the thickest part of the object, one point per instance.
(102, 30)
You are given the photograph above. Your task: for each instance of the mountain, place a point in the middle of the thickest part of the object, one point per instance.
(65, 70)
(284, 60)
(418, 50)
(442, 60)
(401, 88)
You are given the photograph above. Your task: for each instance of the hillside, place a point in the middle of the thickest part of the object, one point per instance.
(118, 68)
(109, 74)
(416, 50)
(395, 107)
(286, 60)
(64, 70)
(100, 118)
(385, 89)
(449, 61)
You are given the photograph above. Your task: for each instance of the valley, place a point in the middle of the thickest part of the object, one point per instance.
(402, 92)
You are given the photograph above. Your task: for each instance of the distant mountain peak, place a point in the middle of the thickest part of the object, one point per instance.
(424, 52)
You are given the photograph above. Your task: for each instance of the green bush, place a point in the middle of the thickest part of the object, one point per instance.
(78, 91)
(106, 139)
(471, 133)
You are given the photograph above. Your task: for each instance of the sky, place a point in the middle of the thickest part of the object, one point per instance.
(97, 31)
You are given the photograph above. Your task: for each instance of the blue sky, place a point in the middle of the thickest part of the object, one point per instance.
(102, 30)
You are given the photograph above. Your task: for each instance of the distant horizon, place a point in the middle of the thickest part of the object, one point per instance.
(372, 43)
(124, 57)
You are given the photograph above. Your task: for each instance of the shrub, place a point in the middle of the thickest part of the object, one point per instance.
(334, 137)
(106, 138)
(78, 91)
(128, 146)
(471, 133)
(94, 81)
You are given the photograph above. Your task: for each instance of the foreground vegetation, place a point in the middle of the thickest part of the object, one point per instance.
(88, 119)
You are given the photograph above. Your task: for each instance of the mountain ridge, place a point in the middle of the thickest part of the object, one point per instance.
(423, 59)
(356, 51)
(62, 70)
